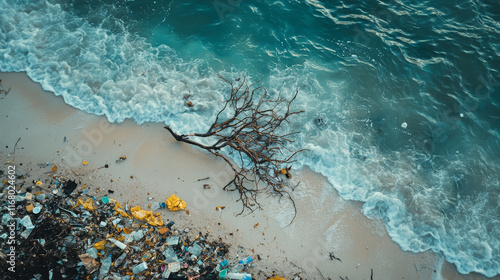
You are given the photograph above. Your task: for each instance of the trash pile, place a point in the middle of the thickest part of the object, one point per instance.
(66, 234)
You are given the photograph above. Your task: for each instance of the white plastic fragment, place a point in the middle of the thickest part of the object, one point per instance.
(118, 243)
(26, 222)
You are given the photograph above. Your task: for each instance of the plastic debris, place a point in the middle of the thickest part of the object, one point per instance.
(105, 199)
(37, 209)
(26, 222)
(118, 243)
(174, 240)
(170, 255)
(85, 162)
(92, 252)
(105, 265)
(91, 265)
(246, 260)
(29, 208)
(122, 158)
(174, 267)
(147, 216)
(276, 278)
(120, 259)
(223, 274)
(100, 245)
(236, 275)
(195, 249)
(140, 268)
(69, 187)
(163, 230)
(88, 204)
(174, 203)
(82, 238)
(137, 235)
(170, 224)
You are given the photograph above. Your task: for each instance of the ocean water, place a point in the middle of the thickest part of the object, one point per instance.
(401, 100)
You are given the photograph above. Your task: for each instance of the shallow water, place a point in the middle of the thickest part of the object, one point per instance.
(362, 70)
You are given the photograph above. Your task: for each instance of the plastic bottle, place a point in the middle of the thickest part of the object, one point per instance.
(118, 243)
(242, 276)
(140, 268)
(120, 259)
(105, 265)
(246, 260)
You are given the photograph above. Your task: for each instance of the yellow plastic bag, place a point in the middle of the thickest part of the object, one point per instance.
(155, 220)
(276, 278)
(88, 204)
(118, 209)
(147, 216)
(140, 214)
(100, 245)
(174, 203)
(122, 213)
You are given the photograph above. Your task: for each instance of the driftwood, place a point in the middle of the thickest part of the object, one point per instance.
(252, 131)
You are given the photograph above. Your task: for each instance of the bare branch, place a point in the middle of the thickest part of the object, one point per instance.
(251, 130)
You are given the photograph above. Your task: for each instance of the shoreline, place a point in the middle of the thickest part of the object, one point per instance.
(157, 166)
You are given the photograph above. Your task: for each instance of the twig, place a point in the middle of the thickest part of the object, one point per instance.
(320, 272)
(371, 276)
(202, 179)
(16, 145)
(297, 266)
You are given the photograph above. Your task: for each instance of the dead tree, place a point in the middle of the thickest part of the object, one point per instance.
(249, 124)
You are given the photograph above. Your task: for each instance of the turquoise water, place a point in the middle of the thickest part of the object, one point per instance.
(401, 101)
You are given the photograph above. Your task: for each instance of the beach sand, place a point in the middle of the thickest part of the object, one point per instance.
(156, 167)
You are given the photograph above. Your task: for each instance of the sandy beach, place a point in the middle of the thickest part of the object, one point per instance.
(157, 166)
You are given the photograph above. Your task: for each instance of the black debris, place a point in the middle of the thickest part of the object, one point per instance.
(69, 187)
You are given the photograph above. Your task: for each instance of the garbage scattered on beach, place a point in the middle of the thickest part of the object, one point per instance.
(122, 158)
(66, 233)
